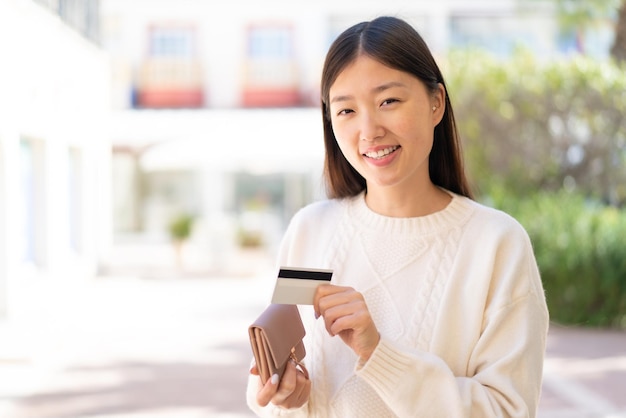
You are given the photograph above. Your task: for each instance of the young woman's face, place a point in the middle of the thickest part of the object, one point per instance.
(384, 123)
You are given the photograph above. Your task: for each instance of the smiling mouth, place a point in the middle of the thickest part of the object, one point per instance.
(377, 155)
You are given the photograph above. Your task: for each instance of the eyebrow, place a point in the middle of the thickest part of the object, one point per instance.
(376, 89)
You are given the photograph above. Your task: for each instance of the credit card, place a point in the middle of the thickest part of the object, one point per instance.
(296, 286)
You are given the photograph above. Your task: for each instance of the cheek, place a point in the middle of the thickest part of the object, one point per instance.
(344, 136)
(408, 126)
(416, 129)
(346, 144)
(346, 150)
(346, 130)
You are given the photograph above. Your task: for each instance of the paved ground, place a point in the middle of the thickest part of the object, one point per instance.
(585, 374)
(123, 347)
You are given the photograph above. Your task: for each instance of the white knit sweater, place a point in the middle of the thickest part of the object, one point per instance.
(456, 297)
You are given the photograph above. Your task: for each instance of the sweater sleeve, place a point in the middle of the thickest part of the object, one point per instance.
(270, 410)
(504, 369)
(505, 385)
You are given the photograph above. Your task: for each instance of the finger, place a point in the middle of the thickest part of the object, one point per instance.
(320, 292)
(323, 297)
(287, 385)
(351, 315)
(267, 392)
(356, 327)
(300, 394)
(302, 384)
(329, 289)
(254, 369)
(338, 319)
(333, 307)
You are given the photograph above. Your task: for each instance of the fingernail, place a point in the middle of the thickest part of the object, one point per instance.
(274, 379)
(317, 315)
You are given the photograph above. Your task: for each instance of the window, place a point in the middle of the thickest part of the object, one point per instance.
(172, 42)
(270, 72)
(171, 76)
(269, 43)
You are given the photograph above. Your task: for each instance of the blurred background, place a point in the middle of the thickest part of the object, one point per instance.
(152, 153)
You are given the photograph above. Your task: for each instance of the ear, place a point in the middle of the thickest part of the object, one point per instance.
(438, 103)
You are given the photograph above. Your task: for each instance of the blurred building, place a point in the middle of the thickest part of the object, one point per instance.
(216, 103)
(118, 116)
(54, 148)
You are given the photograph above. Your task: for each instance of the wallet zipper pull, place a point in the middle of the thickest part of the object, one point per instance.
(293, 357)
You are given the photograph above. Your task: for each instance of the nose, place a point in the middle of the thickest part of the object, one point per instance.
(370, 127)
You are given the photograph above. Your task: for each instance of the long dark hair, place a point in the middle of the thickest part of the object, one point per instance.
(396, 44)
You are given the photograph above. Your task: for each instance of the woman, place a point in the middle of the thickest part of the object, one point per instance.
(436, 308)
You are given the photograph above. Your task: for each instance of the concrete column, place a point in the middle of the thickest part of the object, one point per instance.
(10, 237)
(55, 208)
(40, 202)
(218, 226)
(3, 234)
(100, 215)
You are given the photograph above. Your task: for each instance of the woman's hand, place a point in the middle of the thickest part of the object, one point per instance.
(292, 391)
(345, 314)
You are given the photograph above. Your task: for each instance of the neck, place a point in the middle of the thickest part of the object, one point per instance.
(392, 202)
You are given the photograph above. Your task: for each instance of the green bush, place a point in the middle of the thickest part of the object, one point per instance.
(528, 125)
(581, 254)
(180, 227)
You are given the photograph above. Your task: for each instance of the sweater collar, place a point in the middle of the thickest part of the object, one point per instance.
(455, 214)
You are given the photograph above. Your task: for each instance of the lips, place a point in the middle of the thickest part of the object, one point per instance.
(377, 155)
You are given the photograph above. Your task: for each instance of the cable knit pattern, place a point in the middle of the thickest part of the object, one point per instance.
(438, 273)
(462, 317)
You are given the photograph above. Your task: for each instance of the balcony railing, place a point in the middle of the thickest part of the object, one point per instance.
(165, 82)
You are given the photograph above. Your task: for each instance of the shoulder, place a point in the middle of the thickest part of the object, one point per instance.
(316, 221)
(319, 207)
(497, 238)
(496, 241)
(487, 221)
(309, 234)
(318, 214)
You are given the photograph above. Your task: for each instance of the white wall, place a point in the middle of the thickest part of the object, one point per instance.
(55, 95)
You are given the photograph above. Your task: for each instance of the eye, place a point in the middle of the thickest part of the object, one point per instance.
(344, 112)
(388, 102)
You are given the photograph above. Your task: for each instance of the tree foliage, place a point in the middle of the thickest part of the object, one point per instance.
(528, 125)
(574, 14)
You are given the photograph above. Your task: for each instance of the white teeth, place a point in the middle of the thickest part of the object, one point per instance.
(381, 153)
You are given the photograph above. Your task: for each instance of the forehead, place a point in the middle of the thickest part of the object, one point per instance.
(364, 66)
(365, 73)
